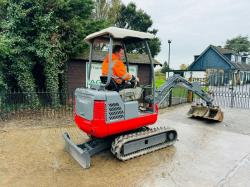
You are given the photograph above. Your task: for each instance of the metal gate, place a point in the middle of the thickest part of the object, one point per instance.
(230, 89)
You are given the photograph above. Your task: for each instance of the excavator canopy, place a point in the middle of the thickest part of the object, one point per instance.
(120, 34)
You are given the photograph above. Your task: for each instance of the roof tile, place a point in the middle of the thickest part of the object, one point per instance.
(132, 58)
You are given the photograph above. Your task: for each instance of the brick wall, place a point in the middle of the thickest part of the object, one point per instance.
(76, 75)
(144, 72)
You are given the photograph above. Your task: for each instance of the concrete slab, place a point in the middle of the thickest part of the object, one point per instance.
(235, 119)
(205, 155)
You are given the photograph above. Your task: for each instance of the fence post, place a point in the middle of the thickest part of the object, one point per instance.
(232, 91)
(170, 93)
(190, 93)
(170, 99)
(72, 103)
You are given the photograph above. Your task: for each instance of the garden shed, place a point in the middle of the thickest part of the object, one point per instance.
(76, 69)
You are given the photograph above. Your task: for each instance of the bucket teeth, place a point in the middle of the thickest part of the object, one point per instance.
(210, 113)
(214, 113)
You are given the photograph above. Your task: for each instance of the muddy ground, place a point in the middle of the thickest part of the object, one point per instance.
(207, 154)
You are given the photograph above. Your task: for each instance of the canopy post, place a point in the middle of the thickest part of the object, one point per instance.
(125, 54)
(152, 72)
(110, 61)
(90, 62)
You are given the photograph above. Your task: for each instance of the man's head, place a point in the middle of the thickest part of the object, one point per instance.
(118, 51)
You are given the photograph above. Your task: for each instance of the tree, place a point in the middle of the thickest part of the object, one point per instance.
(165, 67)
(101, 9)
(238, 44)
(132, 18)
(107, 10)
(4, 51)
(45, 32)
(114, 11)
(183, 67)
(120, 15)
(3, 12)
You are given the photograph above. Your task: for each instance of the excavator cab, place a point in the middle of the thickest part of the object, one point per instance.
(109, 37)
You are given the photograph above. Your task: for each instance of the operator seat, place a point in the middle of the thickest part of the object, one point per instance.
(127, 94)
(131, 94)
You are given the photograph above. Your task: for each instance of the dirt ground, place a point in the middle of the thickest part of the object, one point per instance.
(207, 154)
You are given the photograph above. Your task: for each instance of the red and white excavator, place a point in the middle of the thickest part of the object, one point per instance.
(119, 120)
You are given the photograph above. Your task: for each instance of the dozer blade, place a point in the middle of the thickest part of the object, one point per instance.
(210, 113)
(82, 156)
(82, 153)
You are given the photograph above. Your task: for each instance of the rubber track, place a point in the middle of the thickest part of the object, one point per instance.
(118, 143)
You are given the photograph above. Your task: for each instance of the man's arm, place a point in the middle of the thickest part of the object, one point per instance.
(120, 70)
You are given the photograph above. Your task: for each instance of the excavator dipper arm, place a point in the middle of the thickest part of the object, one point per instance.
(177, 80)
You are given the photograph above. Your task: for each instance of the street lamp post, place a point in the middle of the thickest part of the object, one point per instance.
(170, 94)
(169, 42)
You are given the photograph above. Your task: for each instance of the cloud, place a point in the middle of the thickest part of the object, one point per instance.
(192, 25)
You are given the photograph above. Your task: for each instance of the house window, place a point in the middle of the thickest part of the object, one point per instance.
(239, 59)
(233, 58)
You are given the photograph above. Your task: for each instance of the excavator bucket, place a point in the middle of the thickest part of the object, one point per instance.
(211, 113)
(214, 113)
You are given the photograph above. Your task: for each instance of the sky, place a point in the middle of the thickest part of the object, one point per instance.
(193, 25)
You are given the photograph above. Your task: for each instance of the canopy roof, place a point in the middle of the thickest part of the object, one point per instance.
(118, 33)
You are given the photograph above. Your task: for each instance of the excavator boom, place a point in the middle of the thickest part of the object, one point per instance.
(209, 111)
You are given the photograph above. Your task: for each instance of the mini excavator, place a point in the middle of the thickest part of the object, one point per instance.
(119, 120)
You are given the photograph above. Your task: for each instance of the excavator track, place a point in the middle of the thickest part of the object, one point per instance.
(133, 145)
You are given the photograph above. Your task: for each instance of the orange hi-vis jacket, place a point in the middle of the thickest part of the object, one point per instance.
(119, 70)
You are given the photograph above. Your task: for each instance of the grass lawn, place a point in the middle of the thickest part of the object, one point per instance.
(160, 79)
(159, 82)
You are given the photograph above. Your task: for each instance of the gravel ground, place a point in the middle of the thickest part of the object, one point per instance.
(207, 154)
